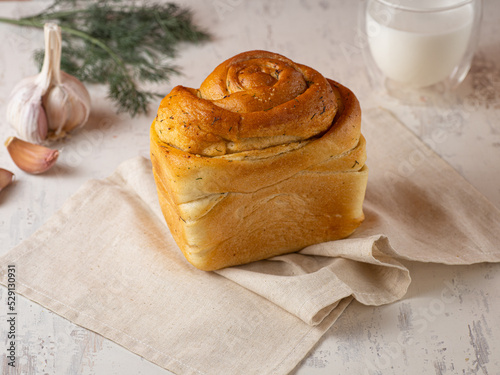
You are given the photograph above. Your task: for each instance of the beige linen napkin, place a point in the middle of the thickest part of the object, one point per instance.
(107, 262)
(429, 212)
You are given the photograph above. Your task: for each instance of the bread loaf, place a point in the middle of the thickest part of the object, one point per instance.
(265, 158)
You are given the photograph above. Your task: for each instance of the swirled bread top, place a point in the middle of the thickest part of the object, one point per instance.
(252, 101)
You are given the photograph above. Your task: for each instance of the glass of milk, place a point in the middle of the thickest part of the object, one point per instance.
(420, 43)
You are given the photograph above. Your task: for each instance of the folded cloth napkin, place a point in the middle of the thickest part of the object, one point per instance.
(107, 262)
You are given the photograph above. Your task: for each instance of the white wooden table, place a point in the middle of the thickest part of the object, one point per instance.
(449, 322)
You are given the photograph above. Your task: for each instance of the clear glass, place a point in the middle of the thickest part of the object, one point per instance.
(419, 44)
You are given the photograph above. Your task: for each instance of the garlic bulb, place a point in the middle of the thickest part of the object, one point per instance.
(52, 103)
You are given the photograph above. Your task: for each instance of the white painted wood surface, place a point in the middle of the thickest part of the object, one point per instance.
(448, 323)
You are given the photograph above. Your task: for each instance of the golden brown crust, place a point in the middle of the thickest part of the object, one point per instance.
(254, 100)
(250, 204)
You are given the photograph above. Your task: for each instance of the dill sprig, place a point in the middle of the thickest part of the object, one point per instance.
(121, 44)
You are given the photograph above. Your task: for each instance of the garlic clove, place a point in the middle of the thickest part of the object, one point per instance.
(6, 178)
(56, 105)
(80, 102)
(43, 126)
(67, 105)
(30, 157)
(25, 111)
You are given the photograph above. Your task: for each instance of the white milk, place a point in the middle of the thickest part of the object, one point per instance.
(418, 49)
